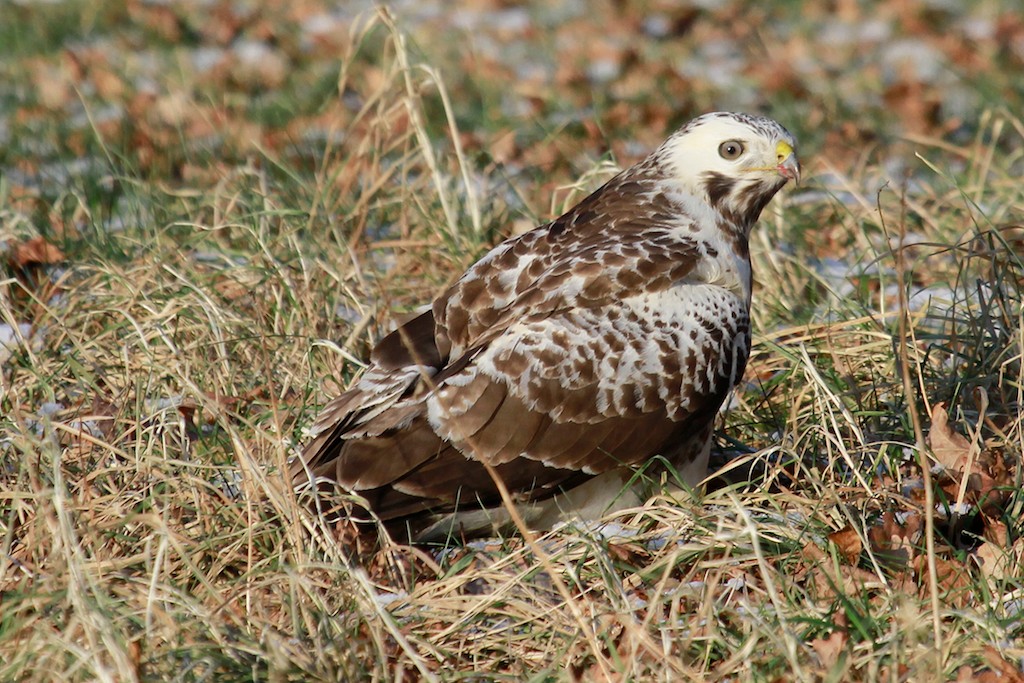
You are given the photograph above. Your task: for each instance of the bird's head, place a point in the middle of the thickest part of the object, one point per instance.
(735, 162)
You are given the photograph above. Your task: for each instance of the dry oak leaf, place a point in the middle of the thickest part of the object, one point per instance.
(891, 542)
(829, 649)
(988, 480)
(35, 252)
(950, 448)
(998, 561)
(999, 670)
(848, 542)
(996, 531)
(1006, 670)
(954, 578)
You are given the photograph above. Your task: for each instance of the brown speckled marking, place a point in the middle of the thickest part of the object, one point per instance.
(590, 344)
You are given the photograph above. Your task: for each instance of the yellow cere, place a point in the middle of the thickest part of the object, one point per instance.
(783, 150)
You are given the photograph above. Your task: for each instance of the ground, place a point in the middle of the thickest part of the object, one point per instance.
(209, 210)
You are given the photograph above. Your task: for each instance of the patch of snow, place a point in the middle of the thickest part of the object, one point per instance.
(385, 599)
(656, 25)
(603, 70)
(206, 58)
(11, 338)
(90, 427)
(736, 583)
(49, 408)
(912, 58)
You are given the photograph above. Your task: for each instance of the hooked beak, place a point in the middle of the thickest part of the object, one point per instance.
(789, 165)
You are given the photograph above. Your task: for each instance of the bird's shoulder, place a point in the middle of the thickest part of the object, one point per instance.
(632, 235)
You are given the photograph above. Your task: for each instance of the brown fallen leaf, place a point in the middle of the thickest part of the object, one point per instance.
(973, 474)
(995, 531)
(886, 673)
(999, 671)
(890, 541)
(917, 104)
(954, 579)
(630, 553)
(848, 543)
(991, 560)
(35, 252)
(950, 448)
(829, 649)
(999, 561)
(1007, 671)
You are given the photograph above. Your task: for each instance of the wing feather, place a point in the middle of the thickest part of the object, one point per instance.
(591, 343)
(530, 424)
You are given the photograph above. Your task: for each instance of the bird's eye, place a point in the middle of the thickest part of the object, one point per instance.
(730, 149)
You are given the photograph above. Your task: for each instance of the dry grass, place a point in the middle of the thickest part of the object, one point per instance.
(172, 362)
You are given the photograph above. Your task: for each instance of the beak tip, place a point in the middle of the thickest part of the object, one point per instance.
(789, 168)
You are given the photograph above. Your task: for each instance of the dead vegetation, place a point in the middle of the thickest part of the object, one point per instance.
(170, 322)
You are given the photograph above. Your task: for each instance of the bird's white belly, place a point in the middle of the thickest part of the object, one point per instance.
(708, 329)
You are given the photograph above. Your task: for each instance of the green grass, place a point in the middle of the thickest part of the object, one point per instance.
(227, 266)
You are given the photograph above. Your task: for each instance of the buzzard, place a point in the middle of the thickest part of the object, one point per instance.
(570, 358)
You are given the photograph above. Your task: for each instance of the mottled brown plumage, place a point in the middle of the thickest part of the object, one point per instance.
(570, 356)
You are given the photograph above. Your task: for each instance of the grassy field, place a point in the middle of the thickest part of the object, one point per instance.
(209, 211)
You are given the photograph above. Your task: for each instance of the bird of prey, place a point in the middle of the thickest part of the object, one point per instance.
(569, 358)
